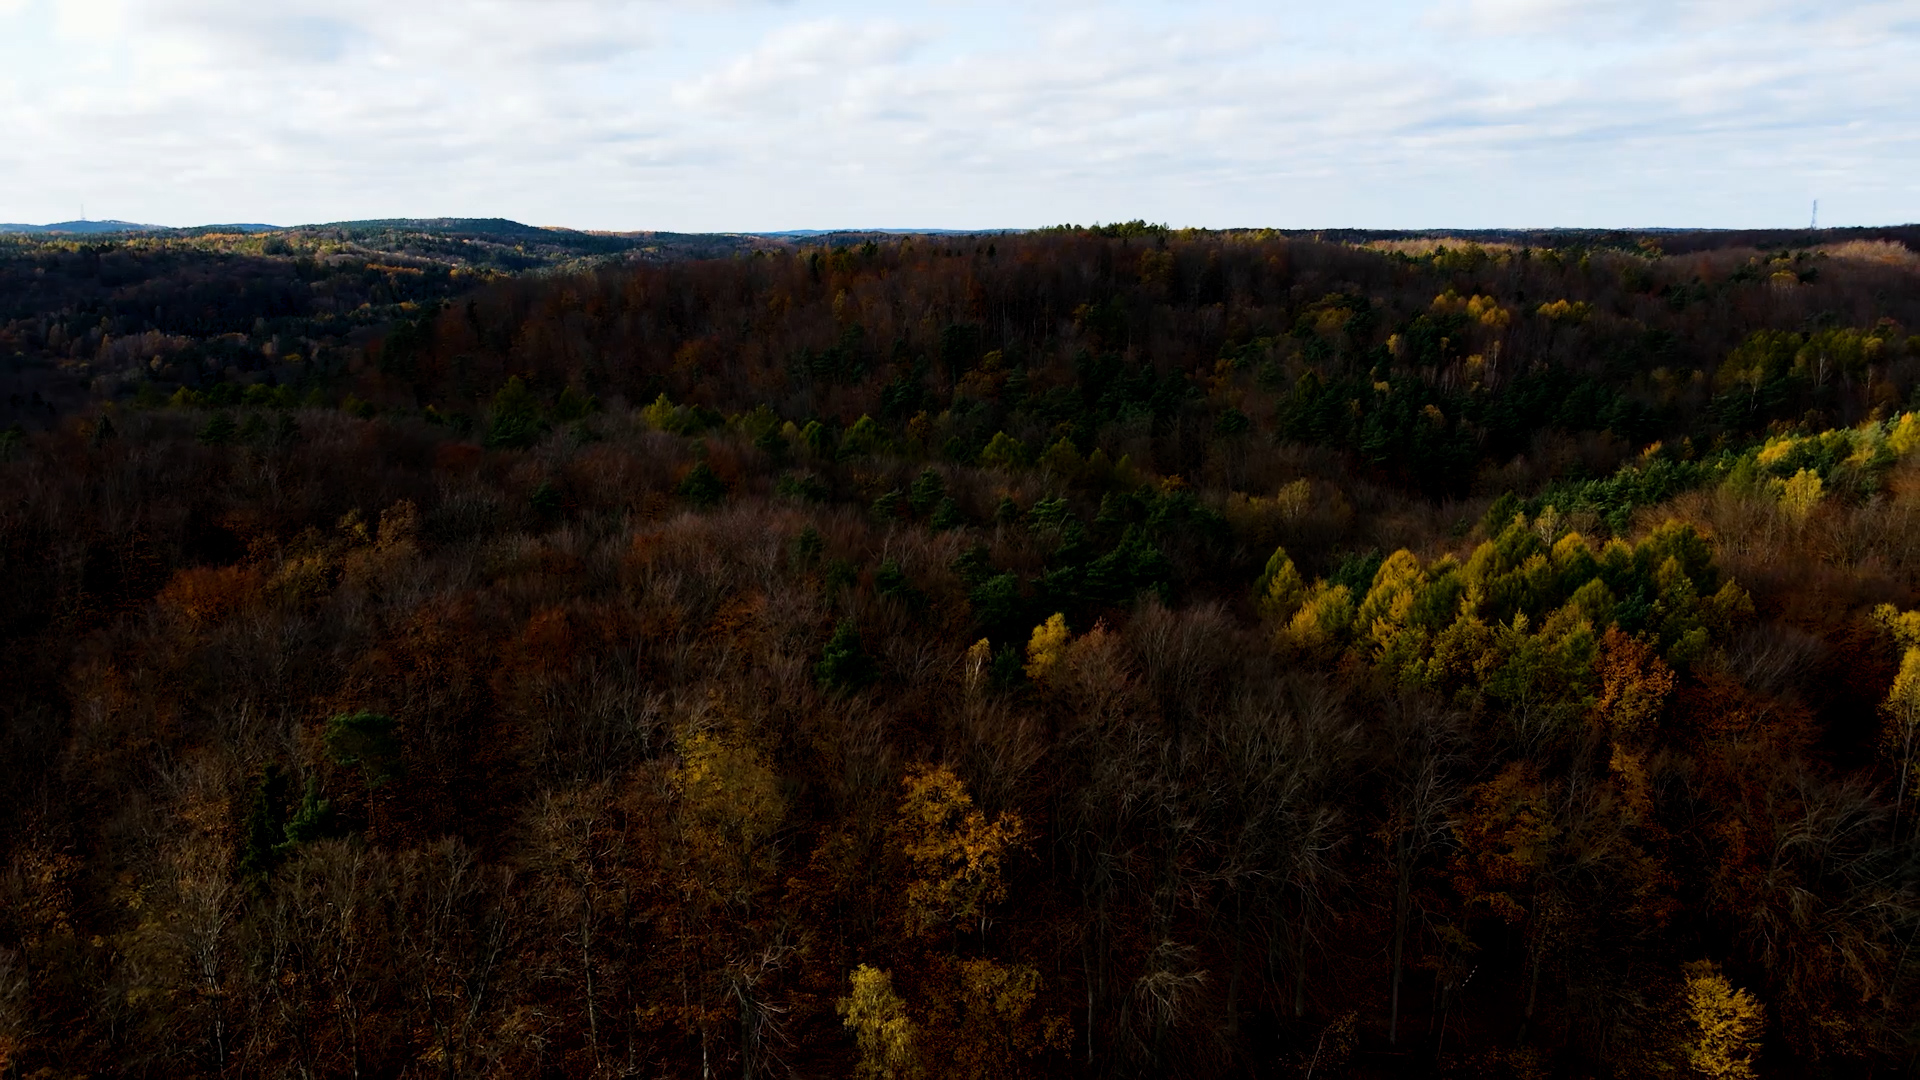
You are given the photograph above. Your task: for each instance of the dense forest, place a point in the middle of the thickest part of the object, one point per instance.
(90, 316)
(1101, 652)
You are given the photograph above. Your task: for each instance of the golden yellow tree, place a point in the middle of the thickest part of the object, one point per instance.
(979, 658)
(1724, 1024)
(1800, 495)
(880, 1025)
(984, 1024)
(955, 854)
(1046, 647)
(1902, 626)
(1903, 436)
(1321, 624)
(1389, 602)
(1901, 737)
(730, 806)
(1280, 588)
(1634, 686)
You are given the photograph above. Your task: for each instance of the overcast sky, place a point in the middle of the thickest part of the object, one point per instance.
(716, 115)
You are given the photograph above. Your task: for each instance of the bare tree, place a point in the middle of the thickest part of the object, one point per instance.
(1418, 754)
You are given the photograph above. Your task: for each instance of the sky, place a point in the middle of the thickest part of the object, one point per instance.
(745, 115)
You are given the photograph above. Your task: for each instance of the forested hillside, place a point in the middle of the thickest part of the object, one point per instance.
(1110, 652)
(109, 316)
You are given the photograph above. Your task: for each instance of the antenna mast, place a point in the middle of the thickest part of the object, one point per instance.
(1815, 226)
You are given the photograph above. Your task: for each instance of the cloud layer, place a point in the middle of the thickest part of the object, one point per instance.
(682, 114)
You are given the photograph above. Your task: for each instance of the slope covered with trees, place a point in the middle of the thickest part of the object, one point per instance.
(106, 316)
(1105, 652)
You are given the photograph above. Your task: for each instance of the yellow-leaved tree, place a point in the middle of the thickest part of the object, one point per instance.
(730, 806)
(1903, 436)
(1723, 1024)
(880, 1025)
(728, 809)
(1900, 738)
(1800, 494)
(984, 1022)
(1280, 588)
(1634, 686)
(955, 855)
(1319, 628)
(1388, 603)
(1046, 647)
(979, 659)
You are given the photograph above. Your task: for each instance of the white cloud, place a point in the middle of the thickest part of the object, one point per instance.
(798, 63)
(616, 113)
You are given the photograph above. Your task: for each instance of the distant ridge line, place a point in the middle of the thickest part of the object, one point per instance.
(83, 227)
(1673, 240)
(115, 228)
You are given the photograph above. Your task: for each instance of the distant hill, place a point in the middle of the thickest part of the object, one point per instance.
(808, 234)
(232, 227)
(546, 244)
(511, 246)
(100, 228)
(484, 226)
(83, 227)
(1673, 241)
(491, 228)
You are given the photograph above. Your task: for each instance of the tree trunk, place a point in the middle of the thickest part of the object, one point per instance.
(1403, 889)
(1233, 974)
(1302, 935)
(586, 968)
(1533, 989)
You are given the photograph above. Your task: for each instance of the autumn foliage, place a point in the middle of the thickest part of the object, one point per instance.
(1092, 653)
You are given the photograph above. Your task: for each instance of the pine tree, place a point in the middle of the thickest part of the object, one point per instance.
(844, 663)
(219, 430)
(515, 420)
(702, 486)
(929, 490)
(368, 740)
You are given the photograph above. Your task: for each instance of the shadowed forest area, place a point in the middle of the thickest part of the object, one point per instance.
(1106, 652)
